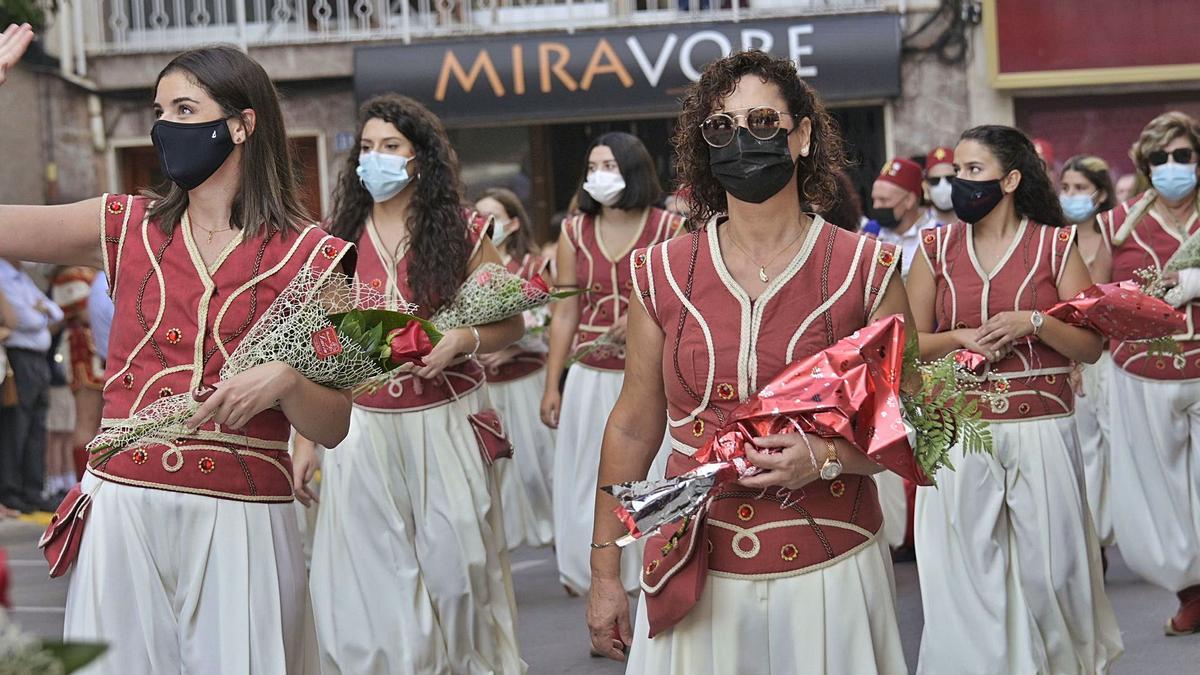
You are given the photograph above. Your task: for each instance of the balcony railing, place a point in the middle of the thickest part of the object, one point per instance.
(133, 26)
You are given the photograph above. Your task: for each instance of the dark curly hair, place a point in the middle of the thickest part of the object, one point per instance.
(439, 242)
(1035, 198)
(816, 174)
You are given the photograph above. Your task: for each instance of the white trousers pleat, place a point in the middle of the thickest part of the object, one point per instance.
(588, 398)
(525, 480)
(410, 570)
(1092, 421)
(1009, 561)
(1156, 478)
(894, 503)
(837, 620)
(183, 583)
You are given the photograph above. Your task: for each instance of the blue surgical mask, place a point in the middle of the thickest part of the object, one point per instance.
(384, 176)
(1173, 181)
(1078, 208)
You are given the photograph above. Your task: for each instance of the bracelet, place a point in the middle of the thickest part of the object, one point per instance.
(478, 341)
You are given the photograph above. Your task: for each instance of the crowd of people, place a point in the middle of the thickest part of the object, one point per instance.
(194, 560)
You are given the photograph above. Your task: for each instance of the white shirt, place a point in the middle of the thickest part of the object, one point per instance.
(909, 241)
(32, 331)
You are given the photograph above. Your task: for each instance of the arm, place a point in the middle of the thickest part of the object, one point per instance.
(73, 228)
(631, 439)
(564, 323)
(8, 317)
(922, 291)
(1078, 344)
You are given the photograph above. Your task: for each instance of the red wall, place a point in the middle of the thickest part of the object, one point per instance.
(1099, 125)
(1036, 35)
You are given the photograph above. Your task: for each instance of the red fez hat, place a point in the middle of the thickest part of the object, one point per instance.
(903, 172)
(1044, 150)
(939, 155)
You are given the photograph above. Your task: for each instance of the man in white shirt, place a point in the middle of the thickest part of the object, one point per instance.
(897, 216)
(23, 426)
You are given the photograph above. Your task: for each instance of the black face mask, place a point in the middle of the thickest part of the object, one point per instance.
(885, 217)
(190, 153)
(750, 169)
(974, 199)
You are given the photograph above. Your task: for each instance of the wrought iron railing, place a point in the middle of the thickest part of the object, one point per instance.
(133, 26)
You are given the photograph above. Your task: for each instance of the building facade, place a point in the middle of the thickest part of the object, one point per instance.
(524, 85)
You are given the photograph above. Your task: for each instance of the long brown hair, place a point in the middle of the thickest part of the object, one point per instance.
(268, 195)
(520, 243)
(816, 174)
(437, 225)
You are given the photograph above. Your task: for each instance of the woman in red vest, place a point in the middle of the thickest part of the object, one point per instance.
(1156, 400)
(191, 560)
(792, 587)
(1086, 191)
(1010, 565)
(409, 568)
(515, 376)
(618, 217)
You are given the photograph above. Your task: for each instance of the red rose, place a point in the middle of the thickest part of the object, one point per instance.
(536, 288)
(409, 344)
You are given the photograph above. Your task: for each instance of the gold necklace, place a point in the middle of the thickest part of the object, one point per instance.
(762, 269)
(211, 233)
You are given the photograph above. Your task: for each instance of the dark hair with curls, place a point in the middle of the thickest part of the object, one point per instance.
(817, 181)
(642, 188)
(437, 226)
(846, 211)
(519, 243)
(1035, 198)
(1096, 171)
(268, 195)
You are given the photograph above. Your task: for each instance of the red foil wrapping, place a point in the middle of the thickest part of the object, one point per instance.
(849, 390)
(1121, 311)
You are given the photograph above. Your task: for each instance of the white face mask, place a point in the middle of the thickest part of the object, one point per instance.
(605, 187)
(940, 195)
(500, 230)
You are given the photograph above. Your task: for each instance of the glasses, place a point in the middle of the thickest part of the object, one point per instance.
(933, 181)
(763, 122)
(1180, 155)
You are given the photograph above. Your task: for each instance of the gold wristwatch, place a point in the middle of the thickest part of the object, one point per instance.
(832, 468)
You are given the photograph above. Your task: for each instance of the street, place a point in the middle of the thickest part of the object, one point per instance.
(554, 639)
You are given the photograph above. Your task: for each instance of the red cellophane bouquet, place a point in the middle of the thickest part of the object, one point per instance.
(851, 390)
(1121, 311)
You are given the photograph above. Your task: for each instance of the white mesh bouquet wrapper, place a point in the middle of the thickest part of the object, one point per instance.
(283, 333)
(490, 294)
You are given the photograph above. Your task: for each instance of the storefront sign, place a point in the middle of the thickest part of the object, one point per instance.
(503, 79)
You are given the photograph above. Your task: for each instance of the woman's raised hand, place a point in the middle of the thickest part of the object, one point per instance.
(13, 43)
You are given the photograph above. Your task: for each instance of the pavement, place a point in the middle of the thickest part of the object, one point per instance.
(551, 624)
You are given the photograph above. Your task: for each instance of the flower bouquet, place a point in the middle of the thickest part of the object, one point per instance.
(316, 327)
(851, 390)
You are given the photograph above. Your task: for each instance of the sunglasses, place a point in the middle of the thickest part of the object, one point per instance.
(1180, 155)
(933, 181)
(763, 122)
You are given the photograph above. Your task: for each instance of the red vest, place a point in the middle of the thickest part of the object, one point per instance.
(391, 280)
(606, 276)
(176, 323)
(1150, 245)
(726, 349)
(1032, 382)
(525, 363)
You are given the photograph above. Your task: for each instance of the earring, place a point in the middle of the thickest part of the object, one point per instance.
(804, 151)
